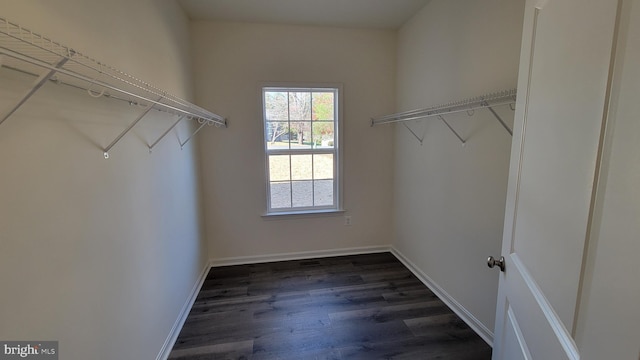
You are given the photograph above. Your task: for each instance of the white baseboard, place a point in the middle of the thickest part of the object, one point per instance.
(455, 306)
(182, 317)
(242, 260)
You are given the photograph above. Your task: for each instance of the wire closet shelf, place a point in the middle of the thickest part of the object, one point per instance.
(24, 51)
(487, 101)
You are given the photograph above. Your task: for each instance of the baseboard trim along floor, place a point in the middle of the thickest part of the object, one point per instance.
(244, 260)
(182, 317)
(455, 306)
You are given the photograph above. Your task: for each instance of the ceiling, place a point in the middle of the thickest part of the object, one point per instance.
(378, 14)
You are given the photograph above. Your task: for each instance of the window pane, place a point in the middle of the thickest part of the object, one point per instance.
(280, 195)
(299, 106)
(302, 193)
(277, 134)
(276, 105)
(323, 192)
(301, 167)
(279, 169)
(323, 106)
(322, 166)
(300, 135)
(323, 133)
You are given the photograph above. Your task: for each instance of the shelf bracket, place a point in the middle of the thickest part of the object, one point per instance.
(165, 133)
(452, 130)
(122, 134)
(40, 81)
(499, 118)
(204, 122)
(414, 134)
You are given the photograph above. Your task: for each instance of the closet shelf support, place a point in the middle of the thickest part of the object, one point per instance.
(463, 141)
(194, 134)
(122, 134)
(30, 53)
(488, 101)
(495, 99)
(495, 114)
(212, 118)
(40, 81)
(165, 133)
(414, 134)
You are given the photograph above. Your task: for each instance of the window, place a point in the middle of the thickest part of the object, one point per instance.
(301, 145)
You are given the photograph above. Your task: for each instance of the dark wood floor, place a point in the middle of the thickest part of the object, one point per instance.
(348, 307)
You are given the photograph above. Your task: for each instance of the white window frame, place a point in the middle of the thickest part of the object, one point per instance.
(336, 150)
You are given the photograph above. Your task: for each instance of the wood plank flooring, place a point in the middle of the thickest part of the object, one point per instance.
(348, 307)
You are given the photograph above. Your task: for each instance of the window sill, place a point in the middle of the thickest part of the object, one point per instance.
(302, 214)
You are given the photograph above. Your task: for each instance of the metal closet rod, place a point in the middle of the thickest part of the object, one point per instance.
(480, 102)
(107, 95)
(213, 118)
(57, 81)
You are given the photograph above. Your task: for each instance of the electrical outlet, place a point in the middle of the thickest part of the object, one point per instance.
(347, 220)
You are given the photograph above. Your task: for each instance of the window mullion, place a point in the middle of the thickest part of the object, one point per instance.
(313, 143)
(311, 119)
(337, 142)
(313, 182)
(327, 150)
(289, 147)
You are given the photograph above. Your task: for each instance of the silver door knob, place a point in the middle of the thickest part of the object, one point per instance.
(493, 262)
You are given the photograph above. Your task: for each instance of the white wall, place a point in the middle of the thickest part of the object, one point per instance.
(98, 254)
(449, 200)
(231, 60)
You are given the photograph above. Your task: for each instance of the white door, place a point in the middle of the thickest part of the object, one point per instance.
(608, 325)
(562, 94)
